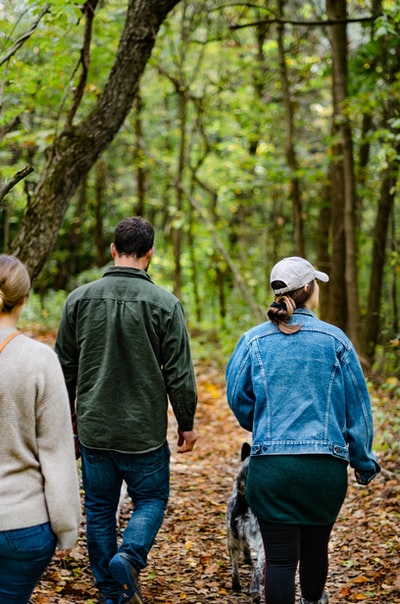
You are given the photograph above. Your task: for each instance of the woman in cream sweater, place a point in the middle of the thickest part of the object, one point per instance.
(39, 487)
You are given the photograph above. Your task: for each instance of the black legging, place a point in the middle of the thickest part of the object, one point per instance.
(287, 545)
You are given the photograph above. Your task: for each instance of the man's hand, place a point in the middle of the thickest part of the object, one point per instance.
(186, 440)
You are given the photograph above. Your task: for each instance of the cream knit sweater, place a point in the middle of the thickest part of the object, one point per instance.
(38, 473)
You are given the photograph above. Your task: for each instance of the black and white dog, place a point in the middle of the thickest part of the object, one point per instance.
(244, 535)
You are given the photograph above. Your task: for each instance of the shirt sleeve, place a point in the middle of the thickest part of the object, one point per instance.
(178, 371)
(360, 430)
(57, 456)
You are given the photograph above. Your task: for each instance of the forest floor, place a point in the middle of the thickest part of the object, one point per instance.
(189, 562)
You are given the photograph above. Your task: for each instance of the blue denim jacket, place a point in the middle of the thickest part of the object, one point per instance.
(303, 393)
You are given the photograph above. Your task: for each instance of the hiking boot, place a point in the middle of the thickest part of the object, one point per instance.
(127, 576)
(323, 600)
(108, 599)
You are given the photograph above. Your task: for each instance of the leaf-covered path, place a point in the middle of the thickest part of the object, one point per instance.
(189, 561)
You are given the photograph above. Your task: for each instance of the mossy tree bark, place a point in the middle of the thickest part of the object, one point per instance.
(78, 146)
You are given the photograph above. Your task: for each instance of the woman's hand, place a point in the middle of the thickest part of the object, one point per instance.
(62, 553)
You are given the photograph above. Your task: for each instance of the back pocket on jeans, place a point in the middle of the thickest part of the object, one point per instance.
(38, 539)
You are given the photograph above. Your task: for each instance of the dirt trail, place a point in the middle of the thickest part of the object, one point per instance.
(189, 561)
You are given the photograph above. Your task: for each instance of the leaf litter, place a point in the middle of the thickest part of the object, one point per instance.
(189, 562)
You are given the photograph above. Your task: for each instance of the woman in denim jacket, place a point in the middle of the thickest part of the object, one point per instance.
(296, 383)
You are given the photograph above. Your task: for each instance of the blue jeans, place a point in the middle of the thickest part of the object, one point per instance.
(147, 478)
(24, 556)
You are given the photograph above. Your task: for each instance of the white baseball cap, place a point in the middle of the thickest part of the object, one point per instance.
(294, 272)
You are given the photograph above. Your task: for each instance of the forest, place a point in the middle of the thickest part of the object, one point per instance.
(245, 131)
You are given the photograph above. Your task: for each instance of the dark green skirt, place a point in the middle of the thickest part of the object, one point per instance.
(296, 489)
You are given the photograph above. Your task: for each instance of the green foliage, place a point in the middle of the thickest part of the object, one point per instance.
(211, 147)
(42, 315)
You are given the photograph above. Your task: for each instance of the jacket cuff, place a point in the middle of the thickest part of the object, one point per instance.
(364, 476)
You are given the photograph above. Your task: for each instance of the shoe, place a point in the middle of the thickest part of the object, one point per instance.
(127, 576)
(106, 600)
(323, 600)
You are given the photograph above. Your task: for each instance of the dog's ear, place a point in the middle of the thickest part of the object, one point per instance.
(245, 451)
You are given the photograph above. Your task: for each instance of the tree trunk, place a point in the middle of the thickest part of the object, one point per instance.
(290, 150)
(337, 309)
(99, 212)
(386, 201)
(138, 159)
(322, 248)
(75, 237)
(177, 221)
(390, 62)
(336, 9)
(76, 149)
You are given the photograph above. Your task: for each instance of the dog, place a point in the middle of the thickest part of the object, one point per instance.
(123, 499)
(243, 533)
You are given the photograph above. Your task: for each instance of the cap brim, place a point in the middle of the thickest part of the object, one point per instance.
(321, 276)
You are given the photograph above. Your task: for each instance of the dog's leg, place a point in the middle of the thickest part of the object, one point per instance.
(255, 586)
(255, 544)
(257, 578)
(122, 498)
(234, 554)
(247, 555)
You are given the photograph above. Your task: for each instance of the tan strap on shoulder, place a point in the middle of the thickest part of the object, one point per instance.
(8, 339)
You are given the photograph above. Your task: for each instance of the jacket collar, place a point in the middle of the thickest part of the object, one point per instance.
(125, 271)
(304, 311)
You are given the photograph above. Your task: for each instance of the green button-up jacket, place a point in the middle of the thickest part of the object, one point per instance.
(124, 348)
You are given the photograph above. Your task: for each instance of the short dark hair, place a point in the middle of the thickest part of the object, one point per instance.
(134, 237)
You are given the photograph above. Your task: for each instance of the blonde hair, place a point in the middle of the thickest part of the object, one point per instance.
(15, 282)
(281, 310)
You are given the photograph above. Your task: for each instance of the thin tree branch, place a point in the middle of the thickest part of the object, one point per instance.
(311, 23)
(88, 10)
(6, 187)
(17, 45)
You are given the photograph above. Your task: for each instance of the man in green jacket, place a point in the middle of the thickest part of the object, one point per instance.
(124, 349)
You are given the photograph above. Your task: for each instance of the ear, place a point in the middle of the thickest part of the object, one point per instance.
(113, 251)
(245, 452)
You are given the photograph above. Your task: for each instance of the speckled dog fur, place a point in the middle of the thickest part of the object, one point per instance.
(244, 535)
